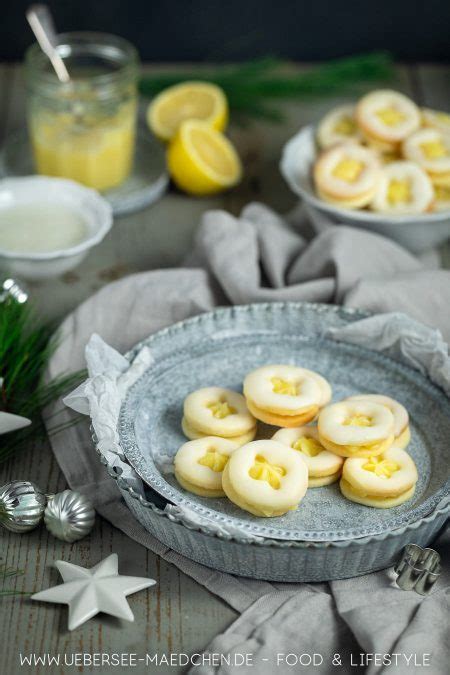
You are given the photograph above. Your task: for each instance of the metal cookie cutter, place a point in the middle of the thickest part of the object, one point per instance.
(418, 569)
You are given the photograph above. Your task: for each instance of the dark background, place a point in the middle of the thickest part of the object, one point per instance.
(232, 30)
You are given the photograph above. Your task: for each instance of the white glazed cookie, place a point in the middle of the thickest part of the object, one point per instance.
(193, 434)
(436, 119)
(199, 465)
(338, 126)
(387, 117)
(265, 478)
(356, 428)
(347, 175)
(402, 434)
(284, 395)
(430, 148)
(382, 482)
(324, 467)
(216, 411)
(403, 188)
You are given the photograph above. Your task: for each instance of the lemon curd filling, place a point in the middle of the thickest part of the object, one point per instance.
(97, 152)
(442, 192)
(383, 468)
(263, 470)
(390, 116)
(214, 460)
(399, 191)
(309, 446)
(433, 149)
(221, 409)
(346, 126)
(348, 170)
(358, 421)
(284, 387)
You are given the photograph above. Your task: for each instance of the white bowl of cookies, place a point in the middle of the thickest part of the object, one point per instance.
(382, 164)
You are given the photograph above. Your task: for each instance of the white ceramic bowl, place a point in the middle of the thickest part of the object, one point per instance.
(417, 233)
(94, 209)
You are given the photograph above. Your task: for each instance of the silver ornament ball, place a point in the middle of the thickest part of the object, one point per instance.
(22, 505)
(69, 516)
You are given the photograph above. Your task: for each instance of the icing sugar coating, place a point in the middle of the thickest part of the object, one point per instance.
(192, 433)
(338, 126)
(199, 465)
(387, 116)
(404, 187)
(265, 478)
(401, 417)
(217, 411)
(355, 423)
(383, 481)
(286, 389)
(320, 462)
(430, 148)
(347, 173)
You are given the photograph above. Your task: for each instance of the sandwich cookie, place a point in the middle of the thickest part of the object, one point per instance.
(430, 148)
(386, 118)
(338, 126)
(285, 396)
(215, 411)
(356, 428)
(436, 119)
(265, 478)
(347, 175)
(402, 433)
(382, 482)
(199, 465)
(324, 467)
(403, 188)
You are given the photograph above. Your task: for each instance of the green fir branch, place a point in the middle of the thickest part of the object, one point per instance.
(7, 573)
(26, 346)
(250, 86)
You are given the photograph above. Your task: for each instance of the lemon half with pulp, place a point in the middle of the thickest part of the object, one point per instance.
(201, 160)
(187, 101)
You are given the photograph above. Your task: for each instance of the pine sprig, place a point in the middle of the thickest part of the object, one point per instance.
(7, 573)
(250, 86)
(26, 346)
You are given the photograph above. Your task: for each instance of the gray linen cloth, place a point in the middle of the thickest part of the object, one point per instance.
(261, 257)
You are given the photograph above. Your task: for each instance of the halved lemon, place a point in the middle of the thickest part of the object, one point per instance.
(187, 101)
(201, 160)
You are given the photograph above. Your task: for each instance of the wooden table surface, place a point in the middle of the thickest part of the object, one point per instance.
(178, 614)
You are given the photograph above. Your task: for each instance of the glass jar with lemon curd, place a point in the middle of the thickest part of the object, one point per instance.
(84, 129)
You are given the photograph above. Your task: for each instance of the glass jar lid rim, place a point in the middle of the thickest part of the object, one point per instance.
(35, 58)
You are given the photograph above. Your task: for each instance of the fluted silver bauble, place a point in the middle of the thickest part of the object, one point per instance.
(22, 505)
(69, 515)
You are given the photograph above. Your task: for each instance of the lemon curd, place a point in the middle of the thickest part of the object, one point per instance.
(84, 130)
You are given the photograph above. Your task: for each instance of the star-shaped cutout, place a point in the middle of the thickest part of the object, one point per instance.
(10, 422)
(90, 591)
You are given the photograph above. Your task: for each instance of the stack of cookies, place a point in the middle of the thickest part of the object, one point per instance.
(360, 441)
(385, 154)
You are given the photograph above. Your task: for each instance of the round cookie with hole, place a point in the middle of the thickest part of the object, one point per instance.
(199, 465)
(356, 428)
(324, 467)
(265, 478)
(382, 482)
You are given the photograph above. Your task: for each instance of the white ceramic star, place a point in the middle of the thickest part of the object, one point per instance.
(90, 591)
(9, 422)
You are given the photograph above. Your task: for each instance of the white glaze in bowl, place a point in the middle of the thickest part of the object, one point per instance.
(93, 209)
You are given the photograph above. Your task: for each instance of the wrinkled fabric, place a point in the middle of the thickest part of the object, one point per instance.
(262, 257)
